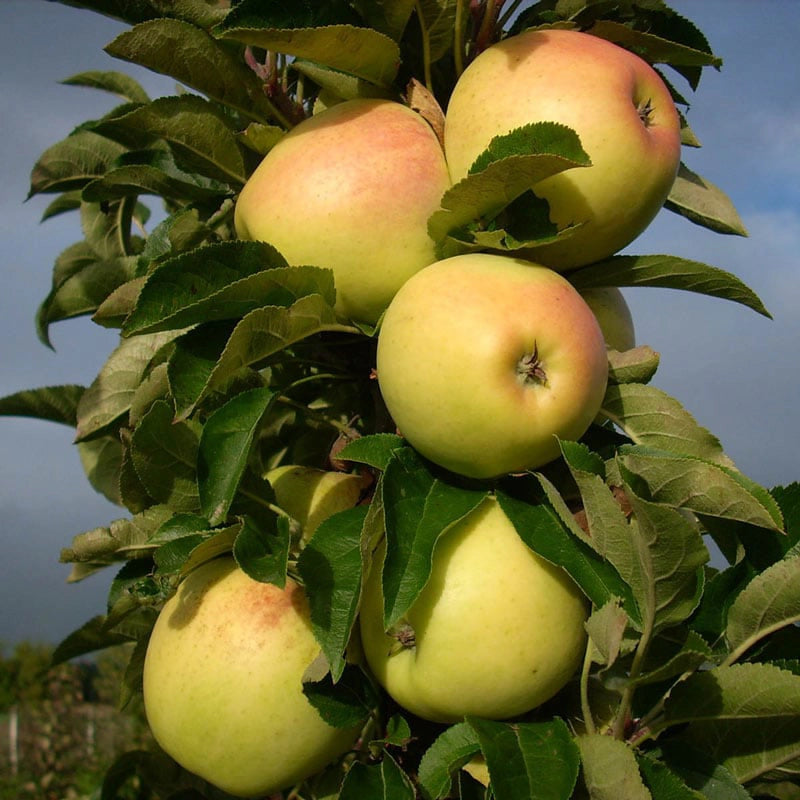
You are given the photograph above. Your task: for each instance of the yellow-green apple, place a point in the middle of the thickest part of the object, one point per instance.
(483, 360)
(351, 188)
(496, 631)
(614, 315)
(618, 105)
(312, 495)
(223, 683)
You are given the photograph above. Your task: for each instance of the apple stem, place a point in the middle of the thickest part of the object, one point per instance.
(530, 368)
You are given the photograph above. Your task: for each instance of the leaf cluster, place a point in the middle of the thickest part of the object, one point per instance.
(230, 362)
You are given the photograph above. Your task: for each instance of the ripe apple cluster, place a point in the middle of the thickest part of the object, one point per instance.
(484, 361)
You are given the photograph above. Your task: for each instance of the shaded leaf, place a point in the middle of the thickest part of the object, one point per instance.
(610, 771)
(703, 203)
(102, 463)
(359, 51)
(418, 508)
(164, 454)
(343, 704)
(117, 83)
(262, 552)
(637, 365)
(331, 567)
(385, 779)
(667, 272)
(190, 55)
(650, 417)
(448, 753)
(225, 445)
(538, 760)
(54, 403)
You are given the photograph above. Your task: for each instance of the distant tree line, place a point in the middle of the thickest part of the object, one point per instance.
(60, 726)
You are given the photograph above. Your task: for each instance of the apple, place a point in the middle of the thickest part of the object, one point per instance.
(614, 316)
(617, 104)
(497, 630)
(223, 688)
(483, 360)
(311, 495)
(351, 189)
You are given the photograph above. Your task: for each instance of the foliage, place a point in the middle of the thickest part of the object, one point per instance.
(230, 363)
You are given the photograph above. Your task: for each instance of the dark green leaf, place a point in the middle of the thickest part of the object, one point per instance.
(331, 568)
(375, 450)
(536, 760)
(668, 272)
(703, 203)
(225, 445)
(89, 638)
(449, 752)
(344, 704)
(262, 552)
(110, 81)
(384, 780)
(419, 507)
(54, 403)
(190, 55)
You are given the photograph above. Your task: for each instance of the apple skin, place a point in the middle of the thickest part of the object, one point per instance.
(450, 350)
(223, 683)
(498, 630)
(312, 495)
(351, 188)
(596, 88)
(613, 314)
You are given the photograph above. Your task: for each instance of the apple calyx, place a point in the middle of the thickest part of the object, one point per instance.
(530, 368)
(645, 111)
(405, 636)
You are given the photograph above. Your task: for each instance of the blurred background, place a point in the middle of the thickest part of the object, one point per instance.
(735, 371)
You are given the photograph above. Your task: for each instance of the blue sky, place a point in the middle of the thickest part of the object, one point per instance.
(735, 371)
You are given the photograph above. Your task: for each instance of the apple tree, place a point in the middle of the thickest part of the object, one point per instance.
(245, 237)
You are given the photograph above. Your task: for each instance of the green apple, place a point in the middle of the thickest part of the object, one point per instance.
(618, 105)
(483, 360)
(496, 631)
(351, 188)
(614, 315)
(312, 495)
(223, 683)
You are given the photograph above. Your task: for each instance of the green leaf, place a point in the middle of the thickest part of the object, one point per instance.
(113, 311)
(198, 132)
(178, 233)
(73, 162)
(536, 760)
(509, 166)
(544, 531)
(225, 445)
(637, 365)
(54, 403)
(663, 782)
(107, 227)
(698, 486)
(667, 272)
(746, 717)
(448, 753)
(419, 508)
(702, 773)
(164, 454)
(222, 281)
(703, 203)
(331, 568)
(68, 201)
(606, 628)
(102, 462)
(769, 602)
(338, 84)
(437, 20)
(363, 52)
(669, 552)
(257, 336)
(385, 780)
(263, 553)
(343, 704)
(193, 57)
(655, 49)
(388, 16)
(649, 416)
(375, 450)
(117, 83)
(90, 637)
(152, 172)
(668, 658)
(610, 771)
(261, 138)
(110, 395)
